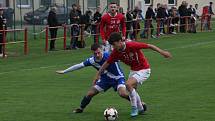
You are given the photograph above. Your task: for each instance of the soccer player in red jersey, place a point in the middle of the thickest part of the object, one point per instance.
(111, 21)
(130, 53)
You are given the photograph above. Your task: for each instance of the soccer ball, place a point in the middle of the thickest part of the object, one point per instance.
(110, 114)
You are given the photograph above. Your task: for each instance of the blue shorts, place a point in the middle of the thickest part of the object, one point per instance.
(106, 83)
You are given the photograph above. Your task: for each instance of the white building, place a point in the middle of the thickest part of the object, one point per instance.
(23, 6)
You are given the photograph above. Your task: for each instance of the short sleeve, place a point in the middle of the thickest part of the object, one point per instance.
(88, 62)
(113, 57)
(139, 45)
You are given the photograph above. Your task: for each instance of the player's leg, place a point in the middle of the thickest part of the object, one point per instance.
(141, 106)
(121, 88)
(135, 78)
(131, 84)
(123, 93)
(101, 85)
(86, 99)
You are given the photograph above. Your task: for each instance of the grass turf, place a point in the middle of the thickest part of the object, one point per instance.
(180, 89)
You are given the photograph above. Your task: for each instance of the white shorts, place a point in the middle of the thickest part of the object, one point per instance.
(141, 75)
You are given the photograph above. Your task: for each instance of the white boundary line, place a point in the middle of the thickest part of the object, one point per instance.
(45, 67)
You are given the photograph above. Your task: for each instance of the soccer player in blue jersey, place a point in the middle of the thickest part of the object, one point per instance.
(111, 77)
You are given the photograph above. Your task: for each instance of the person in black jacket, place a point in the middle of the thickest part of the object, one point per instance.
(192, 19)
(2, 25)
(210, 11)
(150, 14)
(173, 12)
(183, 11)
(52, 22)
(75, 29)
(136, 21)
(161, 16)
(95, 24)
(86, 19)
(210, 8)
(129, 29)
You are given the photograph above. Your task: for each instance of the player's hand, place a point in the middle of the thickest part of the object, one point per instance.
(60, 72)
(94, 81)
(97, 77)
(166, 54)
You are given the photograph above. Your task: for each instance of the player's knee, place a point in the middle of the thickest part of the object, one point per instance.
(91, 94)
(129, 86)
(123, 94)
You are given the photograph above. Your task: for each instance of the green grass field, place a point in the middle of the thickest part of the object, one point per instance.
(180, 89)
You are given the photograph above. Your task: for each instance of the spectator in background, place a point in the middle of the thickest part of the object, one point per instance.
(156, 9)
(192, 19)
(8, 14)
(74, 21)
(85, 22)
(167, 18)
(95, 24)
(150, 15)
(86, 19)
(129, 27)
(121, 10)
(174, 20)
(197, 14)
(205, 18)
(210, 8)
(79, 10)
(2, 26)
(52, 22)
(210, 11)
(136, 21)
(161, 16)
(183, 12)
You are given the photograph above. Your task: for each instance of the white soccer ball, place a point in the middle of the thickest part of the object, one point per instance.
(110, 114)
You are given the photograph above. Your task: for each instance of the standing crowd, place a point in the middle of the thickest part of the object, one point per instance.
(168, 21)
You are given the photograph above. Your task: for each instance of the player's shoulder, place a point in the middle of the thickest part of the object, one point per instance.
(105, 15)
(133, 42)
(106, 54)
(91, 59)
(130, 44)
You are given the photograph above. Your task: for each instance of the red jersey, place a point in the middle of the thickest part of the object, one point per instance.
(111, 24)
(132, 56)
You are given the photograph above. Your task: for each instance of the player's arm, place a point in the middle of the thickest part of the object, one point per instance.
(72, 68)
(102, 32)
(112, 58)
(123, 25)
(103, 67)
(166, 54)
(95, 78)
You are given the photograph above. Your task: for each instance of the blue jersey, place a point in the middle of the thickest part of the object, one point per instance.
(113, 71)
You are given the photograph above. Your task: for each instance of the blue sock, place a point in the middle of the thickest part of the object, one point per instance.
(85, 101)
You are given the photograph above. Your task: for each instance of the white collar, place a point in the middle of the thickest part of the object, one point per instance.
(124, 47)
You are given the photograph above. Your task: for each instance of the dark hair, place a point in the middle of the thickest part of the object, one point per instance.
(74, 5)
(113, 3)
(114, 37)
(95, 46)
(211, 2)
